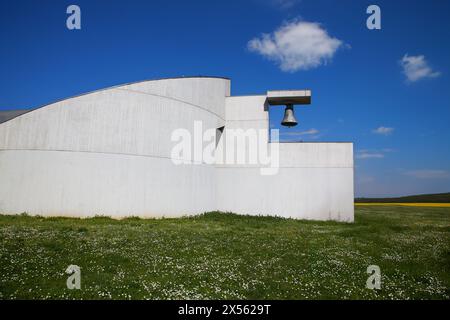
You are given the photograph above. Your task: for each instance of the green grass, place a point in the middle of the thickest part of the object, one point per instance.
(226, 256)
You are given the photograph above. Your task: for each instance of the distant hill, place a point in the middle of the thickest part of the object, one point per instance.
(436, 197)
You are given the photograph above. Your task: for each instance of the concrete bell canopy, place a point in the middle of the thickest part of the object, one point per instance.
(286, 97)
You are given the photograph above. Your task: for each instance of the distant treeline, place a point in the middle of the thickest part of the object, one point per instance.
(437, 198)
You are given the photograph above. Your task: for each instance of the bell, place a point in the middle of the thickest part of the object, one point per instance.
(289, 118)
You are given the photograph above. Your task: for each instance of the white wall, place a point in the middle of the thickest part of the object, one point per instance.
(109, 153)
(61, 183)
(305, 192)
(314, 181)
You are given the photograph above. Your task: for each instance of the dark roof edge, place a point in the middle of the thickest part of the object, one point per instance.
(112, 87)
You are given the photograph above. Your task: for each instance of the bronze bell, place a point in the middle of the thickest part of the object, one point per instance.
(289, 118)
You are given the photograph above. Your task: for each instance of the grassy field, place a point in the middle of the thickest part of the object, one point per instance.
(227, 256)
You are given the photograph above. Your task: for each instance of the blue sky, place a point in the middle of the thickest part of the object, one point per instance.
(361, 93)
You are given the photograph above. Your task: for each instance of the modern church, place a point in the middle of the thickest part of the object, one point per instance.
(117, 152)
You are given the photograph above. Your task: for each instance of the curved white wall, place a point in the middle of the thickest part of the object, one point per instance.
(108, 152)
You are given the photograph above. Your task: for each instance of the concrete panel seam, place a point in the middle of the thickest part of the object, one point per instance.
(174, 99)
(110, 153)
(266, 119)
(281, 167)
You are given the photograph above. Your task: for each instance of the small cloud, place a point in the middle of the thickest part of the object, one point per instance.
(372, 153)
(416, 68)
(383, 131)
(297, 45)
(285, 4)
(311, 133)
(301, 133)
(428, 174)
(363, 179)
(367, 155)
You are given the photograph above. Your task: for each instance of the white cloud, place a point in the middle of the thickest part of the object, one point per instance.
(416, 68)
(428, 174)
(310, 131)
(372, 153)
(301, 133)
(368, 155)
(363, 178)
(311, 134)
(383, 130)
(298, 45)
(285, 4)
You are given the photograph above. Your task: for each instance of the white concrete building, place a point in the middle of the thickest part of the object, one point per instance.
(109, 152)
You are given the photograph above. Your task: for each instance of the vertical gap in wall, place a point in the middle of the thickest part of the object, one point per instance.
(266, 109)
(219, 132)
